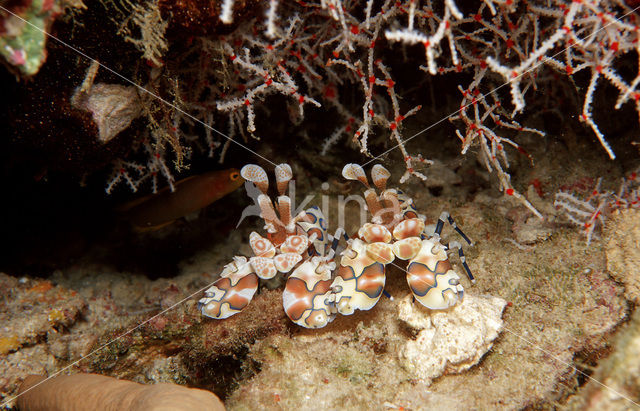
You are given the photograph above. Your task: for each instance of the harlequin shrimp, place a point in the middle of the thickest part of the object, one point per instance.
(299, 244)
(313, 295)
(397, 231)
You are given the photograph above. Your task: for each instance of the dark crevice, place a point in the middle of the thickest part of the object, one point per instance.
(224, 374)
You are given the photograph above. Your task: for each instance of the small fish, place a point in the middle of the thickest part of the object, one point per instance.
(191, 195)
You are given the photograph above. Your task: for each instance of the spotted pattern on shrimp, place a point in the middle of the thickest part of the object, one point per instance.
(320, 285)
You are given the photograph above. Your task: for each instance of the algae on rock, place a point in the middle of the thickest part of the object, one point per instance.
(615, 384)
(25, 26)
(623, 251)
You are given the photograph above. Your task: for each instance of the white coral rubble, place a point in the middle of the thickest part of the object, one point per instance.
(449, 341)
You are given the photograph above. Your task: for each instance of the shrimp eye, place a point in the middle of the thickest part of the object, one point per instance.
(234, 176)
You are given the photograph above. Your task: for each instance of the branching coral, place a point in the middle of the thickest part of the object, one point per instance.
(342, 56)
(590, 210)
(152, 27)
(349, 58)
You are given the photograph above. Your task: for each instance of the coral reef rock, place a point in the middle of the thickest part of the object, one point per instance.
(112, 106)
(23, 28)
(614, 384)
(623, 251)
(450, 341)
(33, 310)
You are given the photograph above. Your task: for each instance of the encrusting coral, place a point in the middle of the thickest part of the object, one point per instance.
(93, 391)
(623, 251)
(451, 341)
(43, 309)
(616, 380)
(23, 27)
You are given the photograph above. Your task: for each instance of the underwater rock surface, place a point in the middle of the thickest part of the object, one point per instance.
(555, 303)
(623, 251)
(551, 316)
(33, 310)
(614, 384)
(113, 107)
(451, 341)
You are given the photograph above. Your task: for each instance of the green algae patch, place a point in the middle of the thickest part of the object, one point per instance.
(354, 366)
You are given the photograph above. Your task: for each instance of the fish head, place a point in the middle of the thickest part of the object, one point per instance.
(235, 180)
(224, 182)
